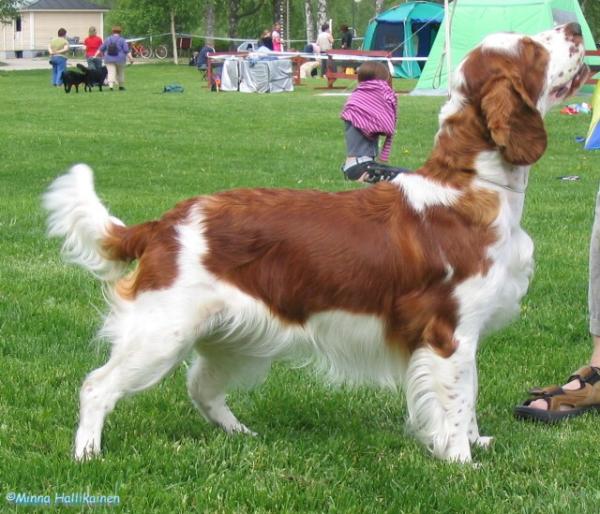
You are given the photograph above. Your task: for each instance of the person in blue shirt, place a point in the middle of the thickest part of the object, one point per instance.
(116, 52)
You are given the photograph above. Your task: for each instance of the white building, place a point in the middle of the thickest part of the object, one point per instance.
(38, 22)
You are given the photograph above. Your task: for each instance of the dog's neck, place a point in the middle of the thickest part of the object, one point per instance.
(492, 169)
(464, 156)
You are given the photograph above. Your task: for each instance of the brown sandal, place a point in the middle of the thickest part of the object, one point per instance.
(564, 403)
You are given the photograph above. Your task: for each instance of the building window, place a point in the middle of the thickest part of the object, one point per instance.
(18, 24)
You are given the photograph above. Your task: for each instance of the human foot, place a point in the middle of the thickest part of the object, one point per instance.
(550, 404)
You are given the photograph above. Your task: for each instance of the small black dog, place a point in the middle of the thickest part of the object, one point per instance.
(72, 78)
(93, 77)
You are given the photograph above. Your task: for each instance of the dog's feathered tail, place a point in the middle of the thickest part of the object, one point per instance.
(93, 239)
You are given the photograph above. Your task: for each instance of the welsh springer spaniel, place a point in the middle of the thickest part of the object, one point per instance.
(393, 284)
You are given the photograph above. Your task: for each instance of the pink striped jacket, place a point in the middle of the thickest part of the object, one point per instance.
(371, 109)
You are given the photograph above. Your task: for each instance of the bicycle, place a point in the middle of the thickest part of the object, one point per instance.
(146, 52)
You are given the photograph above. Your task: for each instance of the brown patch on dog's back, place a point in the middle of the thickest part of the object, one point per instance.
(364, 252)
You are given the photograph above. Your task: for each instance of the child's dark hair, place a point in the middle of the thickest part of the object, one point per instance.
(62, 32)
(373, 70)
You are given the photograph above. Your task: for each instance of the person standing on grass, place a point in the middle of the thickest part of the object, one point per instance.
(116, 52)
(266, 41)
(370, 112)
(325, 39)
(58, 49)
(581, 391)
(92, 43)
(325, 42)
(276, 38)
(346, 37)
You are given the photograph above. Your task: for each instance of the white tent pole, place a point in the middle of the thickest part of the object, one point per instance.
(447, 43)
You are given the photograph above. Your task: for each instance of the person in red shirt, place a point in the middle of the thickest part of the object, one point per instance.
(92, 44)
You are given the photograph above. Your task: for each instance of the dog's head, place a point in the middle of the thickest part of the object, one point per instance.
(510, 81)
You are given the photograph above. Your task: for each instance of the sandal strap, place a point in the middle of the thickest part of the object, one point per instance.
(586, 375)
(584, 397)
(545, 391)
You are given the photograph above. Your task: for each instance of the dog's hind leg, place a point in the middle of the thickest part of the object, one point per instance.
(212, 375)
(146, 346)
(440, 399)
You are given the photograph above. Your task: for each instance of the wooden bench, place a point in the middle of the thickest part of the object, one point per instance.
(595, 68)
(337, 67)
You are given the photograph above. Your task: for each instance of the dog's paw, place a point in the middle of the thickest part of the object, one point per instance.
(86, 451)
(240, 428)
(457, 450)
(484, 442)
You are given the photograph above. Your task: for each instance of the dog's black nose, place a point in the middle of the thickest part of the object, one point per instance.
(574, 29)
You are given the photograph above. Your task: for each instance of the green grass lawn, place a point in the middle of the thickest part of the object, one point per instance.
(320, 449)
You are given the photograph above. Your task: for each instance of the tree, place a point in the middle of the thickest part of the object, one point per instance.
(277, 10)
(310, 21)
(322, 13)
(236, 13)
(8, 10)
(146, 17)
(591, 10)
(209, 19)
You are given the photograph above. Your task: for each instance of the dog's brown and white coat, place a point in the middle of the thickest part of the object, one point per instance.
(392, 284)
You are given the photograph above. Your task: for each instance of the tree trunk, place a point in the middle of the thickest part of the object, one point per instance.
(174, 38)
(209, 20)
(277, 8)
(234, 7)
(378, 7)
(322, 13)
(280, 17)
(310, 21)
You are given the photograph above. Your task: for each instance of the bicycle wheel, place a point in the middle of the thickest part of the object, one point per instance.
(160, 51)
(145, 52)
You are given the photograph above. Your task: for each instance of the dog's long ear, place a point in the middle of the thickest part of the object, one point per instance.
(514, 123)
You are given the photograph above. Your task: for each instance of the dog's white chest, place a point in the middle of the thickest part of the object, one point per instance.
(491, 300)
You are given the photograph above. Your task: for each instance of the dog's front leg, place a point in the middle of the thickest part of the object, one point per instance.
(481, 441)
(440, 396)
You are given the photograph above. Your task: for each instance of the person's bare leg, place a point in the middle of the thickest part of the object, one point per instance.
(595, 361)
(593, 303)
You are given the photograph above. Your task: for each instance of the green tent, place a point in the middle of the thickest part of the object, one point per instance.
(472, 20)
(407, 30)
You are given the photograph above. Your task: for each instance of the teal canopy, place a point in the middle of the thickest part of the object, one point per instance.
(407, 30)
